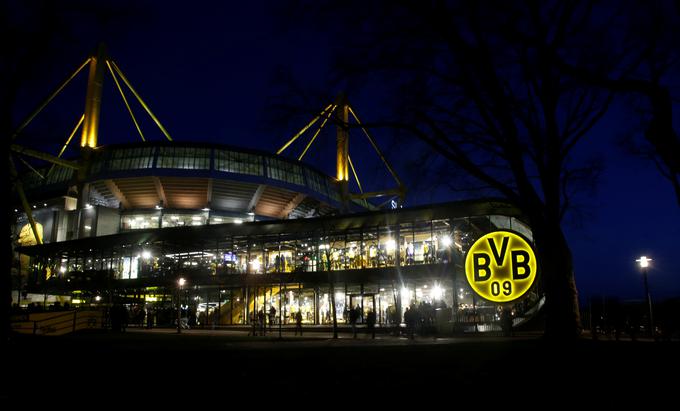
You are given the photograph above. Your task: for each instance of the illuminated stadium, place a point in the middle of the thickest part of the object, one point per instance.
(246, 231)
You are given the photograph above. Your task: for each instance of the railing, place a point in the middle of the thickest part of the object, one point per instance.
(59, 323)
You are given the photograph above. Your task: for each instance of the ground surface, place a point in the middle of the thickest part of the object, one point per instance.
(212, 366)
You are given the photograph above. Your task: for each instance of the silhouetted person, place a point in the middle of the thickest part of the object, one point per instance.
(261, 321)
(370, 323)
(272, 316)
(149, 318)
(298, 322)
(411, 318)
(253, 324)
(353, 316)
(506, 322)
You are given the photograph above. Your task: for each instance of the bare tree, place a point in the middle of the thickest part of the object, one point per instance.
(498, 90)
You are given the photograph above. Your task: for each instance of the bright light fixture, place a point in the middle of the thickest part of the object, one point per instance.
(447, 241)
(644, 261)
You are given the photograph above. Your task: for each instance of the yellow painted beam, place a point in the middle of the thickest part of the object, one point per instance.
(48, 99)
(328, 116)
(93, 99)
(120, 90)
(305, 128)
(377, 150)
(24, 201)
(351, 165)
(44, 156)
(139, 98)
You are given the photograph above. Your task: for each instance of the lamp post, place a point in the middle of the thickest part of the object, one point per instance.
(180, 282)
(644, 264)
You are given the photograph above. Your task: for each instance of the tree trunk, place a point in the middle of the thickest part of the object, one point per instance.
(557, 273)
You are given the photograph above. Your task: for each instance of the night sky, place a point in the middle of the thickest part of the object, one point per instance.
(210, 73)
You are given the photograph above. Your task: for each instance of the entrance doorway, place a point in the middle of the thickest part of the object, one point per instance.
(366, 303)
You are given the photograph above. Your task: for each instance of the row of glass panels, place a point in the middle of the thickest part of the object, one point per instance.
(436, 302)
(427, 242)
(194, 158)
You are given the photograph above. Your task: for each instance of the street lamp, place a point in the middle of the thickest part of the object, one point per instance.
(644, 264)
(181, 281)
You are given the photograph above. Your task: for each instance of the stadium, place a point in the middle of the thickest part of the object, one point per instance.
(207, 235)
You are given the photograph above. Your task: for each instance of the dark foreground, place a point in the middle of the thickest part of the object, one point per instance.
(214, 366)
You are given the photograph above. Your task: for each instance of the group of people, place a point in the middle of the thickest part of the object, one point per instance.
(422, 316)
(259, 320)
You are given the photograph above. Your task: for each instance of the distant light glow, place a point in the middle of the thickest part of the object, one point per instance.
(437, 292)
(181, 281)
(644, 261)
(391, 245)
(98, 298)
(238, 221)
(256, 265)
(76, 301)
(146, 254)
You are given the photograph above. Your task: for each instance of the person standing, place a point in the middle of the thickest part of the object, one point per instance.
(298, 322)
(370, 323)
(262, 322)
(272, 316)
(353, 316)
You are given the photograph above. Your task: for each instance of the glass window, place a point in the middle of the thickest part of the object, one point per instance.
(353, 250)
(131, 158)
(406, 244)
(140, 221)
(235, 162)
(184, 157)
(387, 246)
(443, 244)
(370, 247)
(184, 219)
(316, 181)
(240, 254)
(423, 244)
(59, 174)
(288, 254)
(283, 170)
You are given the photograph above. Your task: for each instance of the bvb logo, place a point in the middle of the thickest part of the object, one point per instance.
(501, 266)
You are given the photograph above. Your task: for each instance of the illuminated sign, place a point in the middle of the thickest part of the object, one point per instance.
(501, 266)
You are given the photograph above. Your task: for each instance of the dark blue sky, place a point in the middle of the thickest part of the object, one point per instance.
(209, 73)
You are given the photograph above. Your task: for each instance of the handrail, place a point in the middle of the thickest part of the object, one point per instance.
(59, 324)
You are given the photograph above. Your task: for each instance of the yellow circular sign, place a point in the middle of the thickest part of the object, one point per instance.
(501, 266)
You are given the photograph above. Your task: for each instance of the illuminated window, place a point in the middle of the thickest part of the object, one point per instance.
(139, 221)
(182, 220)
